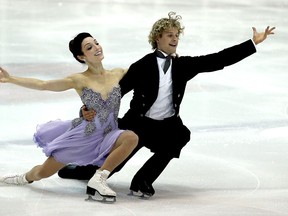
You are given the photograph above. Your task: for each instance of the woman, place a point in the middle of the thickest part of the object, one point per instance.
(99, 142)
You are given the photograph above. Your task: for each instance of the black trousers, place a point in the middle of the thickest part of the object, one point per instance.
(165, 138)
(151, 169)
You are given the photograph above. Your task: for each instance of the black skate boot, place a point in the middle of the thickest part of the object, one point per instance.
(146, 190)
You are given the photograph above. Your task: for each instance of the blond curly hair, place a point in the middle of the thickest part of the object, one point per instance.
(164, 24)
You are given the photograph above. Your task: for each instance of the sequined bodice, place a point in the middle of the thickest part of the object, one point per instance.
(93, 100)
(106, 110)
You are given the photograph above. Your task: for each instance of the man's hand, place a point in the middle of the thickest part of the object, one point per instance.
(88, 114)
(259, 37)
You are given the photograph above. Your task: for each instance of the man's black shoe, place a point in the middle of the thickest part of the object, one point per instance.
(142, 186)
(77, 172)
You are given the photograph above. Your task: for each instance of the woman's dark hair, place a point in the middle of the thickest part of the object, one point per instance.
(75, 45)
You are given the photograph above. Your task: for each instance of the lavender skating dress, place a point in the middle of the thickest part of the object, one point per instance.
(79, 141)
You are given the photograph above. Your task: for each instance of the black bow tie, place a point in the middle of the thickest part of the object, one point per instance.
(167, 61)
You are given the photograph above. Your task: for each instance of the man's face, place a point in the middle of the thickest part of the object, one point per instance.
(169, 41)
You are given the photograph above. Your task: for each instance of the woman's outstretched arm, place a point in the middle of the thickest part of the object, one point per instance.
(32, 83)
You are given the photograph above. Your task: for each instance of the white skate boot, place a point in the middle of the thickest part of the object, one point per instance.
(98, 183)
(15, 179)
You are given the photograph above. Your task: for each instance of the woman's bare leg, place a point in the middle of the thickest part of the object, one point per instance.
(122, 148)
(47, 169)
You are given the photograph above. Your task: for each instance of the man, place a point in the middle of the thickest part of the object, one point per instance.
(154, 109)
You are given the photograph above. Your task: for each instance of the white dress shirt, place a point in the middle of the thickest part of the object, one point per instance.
(163, 106)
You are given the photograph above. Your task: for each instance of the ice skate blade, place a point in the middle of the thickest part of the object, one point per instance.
(91, 191)
(107, 200)
(139, 195)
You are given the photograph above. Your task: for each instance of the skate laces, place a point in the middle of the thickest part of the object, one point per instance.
(104, 183)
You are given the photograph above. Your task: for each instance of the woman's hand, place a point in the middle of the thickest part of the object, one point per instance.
(4, 76)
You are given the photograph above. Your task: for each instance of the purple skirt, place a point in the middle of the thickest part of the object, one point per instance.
(70, 145)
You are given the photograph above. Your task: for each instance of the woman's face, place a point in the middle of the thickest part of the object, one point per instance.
(92, 50)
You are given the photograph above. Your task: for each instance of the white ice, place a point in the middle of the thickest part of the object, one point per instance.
(236, 163)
